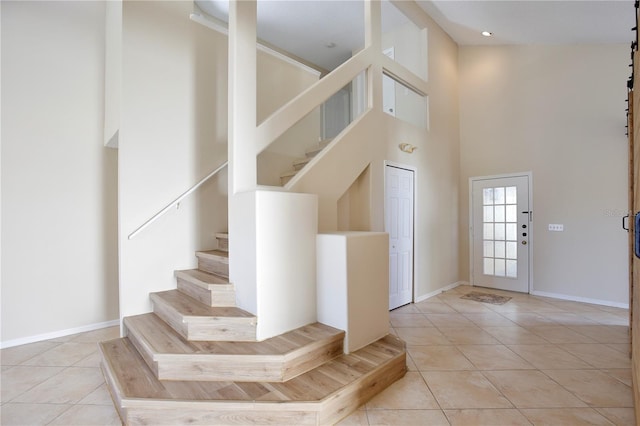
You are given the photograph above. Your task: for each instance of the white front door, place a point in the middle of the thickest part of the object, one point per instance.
(399, 224)
(500, 232)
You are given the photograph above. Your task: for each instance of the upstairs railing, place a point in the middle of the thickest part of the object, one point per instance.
(177, 201)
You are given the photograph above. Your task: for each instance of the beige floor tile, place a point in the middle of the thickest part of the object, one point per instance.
(609, 318)
(15, 414)
(464, 390)
(449, 320)
(622, 374)
(598, 355)
(89, 415)
(99, 396)
(514, 336)
(99, 335)
(494, 357)
(411, 365)
(430, 358)
(357, 418)
(19, 354)
(67, 387)
(570, 318)
(414, 336)
(490, 319)
(494, 417)
(565, 417)
(470, 335)
(468, 306)
(619, 416)
(604, 333)
(625, 348)
(532, 389)
(594, 387)
(93, 360)
(407, 417)
(560, 334)
(549, 357)
(529, 319)
(410, 392)
(429, 307)
(406, 309)
(65, 354)
(409, 320)
(20, 379)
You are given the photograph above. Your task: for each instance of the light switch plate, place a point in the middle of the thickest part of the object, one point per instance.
(556, 227)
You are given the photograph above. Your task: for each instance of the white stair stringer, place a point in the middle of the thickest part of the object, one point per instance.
(333, 171)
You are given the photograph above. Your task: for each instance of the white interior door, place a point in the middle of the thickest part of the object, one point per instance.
(500, 232)
(399, 224)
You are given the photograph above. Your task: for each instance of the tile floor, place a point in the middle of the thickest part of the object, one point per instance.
(531, 361)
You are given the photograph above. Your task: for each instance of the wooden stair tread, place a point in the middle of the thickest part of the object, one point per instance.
(217, 254)
(204, 279)
(172, 357)
(164, 340)
(192, 309)
(133, 378)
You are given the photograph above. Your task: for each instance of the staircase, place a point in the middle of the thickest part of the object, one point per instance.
(195, 360)
(298, 165)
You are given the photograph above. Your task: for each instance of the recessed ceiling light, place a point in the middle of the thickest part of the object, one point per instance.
(487, 33)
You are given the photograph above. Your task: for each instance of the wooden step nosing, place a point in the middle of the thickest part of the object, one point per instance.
(212, 256)
(215, 405)
(217, 358)
(310, 347)
(217, 320)
(184, 275)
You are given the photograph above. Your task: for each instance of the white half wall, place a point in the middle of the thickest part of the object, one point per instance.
(557, 111)
(276, 232)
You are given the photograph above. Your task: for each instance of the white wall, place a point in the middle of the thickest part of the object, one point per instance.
(173, 132)
(557, 111)
(59, 223)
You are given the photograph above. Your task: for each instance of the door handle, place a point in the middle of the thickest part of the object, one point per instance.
(524, 243)
(626, 228)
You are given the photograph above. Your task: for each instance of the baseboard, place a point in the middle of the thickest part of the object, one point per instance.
(440, 290)
(580, 299)
(56, 334)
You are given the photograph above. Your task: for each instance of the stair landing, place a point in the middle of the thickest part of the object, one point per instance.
(323, 395)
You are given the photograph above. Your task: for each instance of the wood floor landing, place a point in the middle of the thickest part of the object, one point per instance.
(279, 358)
(323, 395)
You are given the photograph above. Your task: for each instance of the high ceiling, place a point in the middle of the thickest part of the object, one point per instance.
(326, 32)
(534, 22)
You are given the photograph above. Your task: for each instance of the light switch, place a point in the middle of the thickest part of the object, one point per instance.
(556, 227)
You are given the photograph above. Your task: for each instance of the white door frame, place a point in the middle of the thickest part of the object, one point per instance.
(529, 175)
(415, 214)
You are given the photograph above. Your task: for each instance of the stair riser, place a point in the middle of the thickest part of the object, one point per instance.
(220, 298)
(285, 180)
(205, 416)
(222, 329)
(358, 393)
(244, 368)
(214, 266)
(223, 244)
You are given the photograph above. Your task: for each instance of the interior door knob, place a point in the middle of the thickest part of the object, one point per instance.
(524, 243)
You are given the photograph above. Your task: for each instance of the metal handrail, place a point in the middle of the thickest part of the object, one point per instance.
(177, 200)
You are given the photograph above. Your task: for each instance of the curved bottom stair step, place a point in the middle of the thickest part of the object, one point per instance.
(323, 395)
(278, 359)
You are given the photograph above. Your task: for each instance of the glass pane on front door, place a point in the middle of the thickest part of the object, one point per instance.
(500, 231)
